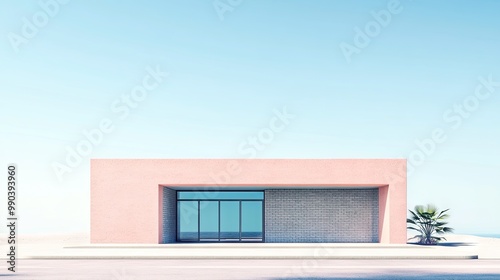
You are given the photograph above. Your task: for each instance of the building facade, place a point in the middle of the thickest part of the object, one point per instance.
(248, 200)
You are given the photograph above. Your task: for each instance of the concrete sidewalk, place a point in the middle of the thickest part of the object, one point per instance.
(255, 251)
(79, 247)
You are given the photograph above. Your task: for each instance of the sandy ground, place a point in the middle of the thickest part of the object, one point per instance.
(486, 248)
(40, 244)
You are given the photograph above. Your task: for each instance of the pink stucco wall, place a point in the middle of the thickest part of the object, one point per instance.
(126, 193)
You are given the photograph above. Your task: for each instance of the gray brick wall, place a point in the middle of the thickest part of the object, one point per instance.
(329, 215)
(169, 216)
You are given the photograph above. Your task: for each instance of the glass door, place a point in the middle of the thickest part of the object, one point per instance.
(209, 221)
(251, 221)
(229, 221)
(187, 220)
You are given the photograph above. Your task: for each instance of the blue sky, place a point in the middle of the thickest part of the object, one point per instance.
(227, 77)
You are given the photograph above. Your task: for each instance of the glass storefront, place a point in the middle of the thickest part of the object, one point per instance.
(222, 216)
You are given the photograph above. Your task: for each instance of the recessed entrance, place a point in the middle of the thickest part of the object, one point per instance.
(220, 216)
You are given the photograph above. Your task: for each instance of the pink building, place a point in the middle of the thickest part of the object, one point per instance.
(256, 200)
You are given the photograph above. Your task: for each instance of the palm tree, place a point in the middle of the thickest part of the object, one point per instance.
(428, 221)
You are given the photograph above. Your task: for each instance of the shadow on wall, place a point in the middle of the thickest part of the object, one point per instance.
(461, 276)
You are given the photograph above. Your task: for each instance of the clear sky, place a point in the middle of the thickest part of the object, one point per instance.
(411, 75)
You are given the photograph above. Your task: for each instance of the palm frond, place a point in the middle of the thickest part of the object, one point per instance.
(416, 229)
(428, 221)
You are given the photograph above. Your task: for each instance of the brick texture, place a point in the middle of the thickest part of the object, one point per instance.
(329, 215)
(169, 216)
